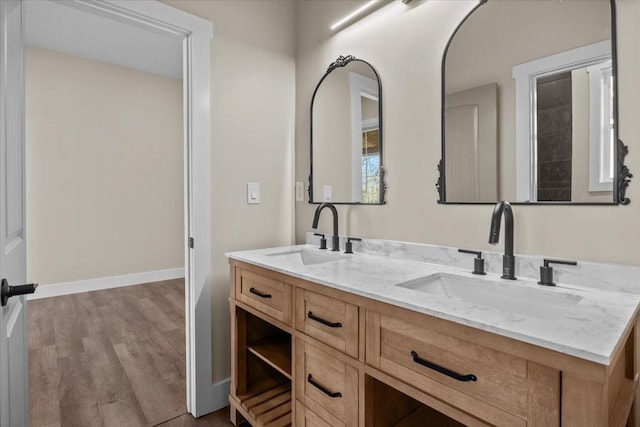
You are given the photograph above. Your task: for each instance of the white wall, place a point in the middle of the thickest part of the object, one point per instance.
(252, 125)
(104, 169)
(405, 44)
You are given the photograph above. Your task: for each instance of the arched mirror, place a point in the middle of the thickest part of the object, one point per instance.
(529, 105)
(346, 135)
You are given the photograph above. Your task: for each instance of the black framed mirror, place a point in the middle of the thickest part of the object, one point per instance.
(346, 135)
(529, 106)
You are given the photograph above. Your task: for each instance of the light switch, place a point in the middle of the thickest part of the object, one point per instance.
(253, 193)
(299, 191)
(328, 190)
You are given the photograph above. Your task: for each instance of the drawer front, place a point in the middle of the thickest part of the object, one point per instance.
(326, 385)
(307, 418)
(474, 378)
(328, 320)
(270, 296)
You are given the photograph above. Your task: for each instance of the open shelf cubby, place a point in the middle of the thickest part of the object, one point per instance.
(388, 407)
(264, 394)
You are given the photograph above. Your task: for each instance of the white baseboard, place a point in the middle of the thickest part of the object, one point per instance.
(220, 395)
(67, 288)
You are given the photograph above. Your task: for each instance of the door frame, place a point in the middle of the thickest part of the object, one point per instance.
(202, 396)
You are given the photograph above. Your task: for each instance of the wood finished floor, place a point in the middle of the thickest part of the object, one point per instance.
(114, 357)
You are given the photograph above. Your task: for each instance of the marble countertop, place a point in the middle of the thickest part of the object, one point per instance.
(589, 328)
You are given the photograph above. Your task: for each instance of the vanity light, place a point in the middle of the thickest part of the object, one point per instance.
(353, 14)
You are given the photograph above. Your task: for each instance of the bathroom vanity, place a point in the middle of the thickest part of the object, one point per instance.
(324, 338)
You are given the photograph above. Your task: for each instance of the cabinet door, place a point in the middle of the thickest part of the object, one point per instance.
(326, 385)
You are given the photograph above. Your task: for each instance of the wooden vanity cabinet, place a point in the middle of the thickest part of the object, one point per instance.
(311, 355)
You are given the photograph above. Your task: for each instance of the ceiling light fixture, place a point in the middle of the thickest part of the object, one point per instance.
(353, 14)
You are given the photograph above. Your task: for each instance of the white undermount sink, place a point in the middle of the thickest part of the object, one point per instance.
(307, 256)
(514, 298)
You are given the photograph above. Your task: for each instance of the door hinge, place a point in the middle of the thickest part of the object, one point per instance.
(191, 242)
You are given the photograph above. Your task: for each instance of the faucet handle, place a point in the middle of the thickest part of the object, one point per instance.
(323, 240)
(348, 246)
(478, 261)
(546, 271)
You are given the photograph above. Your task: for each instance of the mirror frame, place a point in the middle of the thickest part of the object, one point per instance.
(622, 176)
(341, 62)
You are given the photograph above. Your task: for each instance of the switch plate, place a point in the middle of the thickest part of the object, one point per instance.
(253, 193)
(299, 191)
(328, 190)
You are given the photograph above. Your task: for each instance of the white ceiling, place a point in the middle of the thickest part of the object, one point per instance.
(55, 26)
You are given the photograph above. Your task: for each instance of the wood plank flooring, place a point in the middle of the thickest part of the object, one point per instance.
(114, 357)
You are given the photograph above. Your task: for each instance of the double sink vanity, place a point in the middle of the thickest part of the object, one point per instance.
(403, 334)
(383, 333)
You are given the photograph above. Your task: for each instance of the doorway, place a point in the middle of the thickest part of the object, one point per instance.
(193, 35)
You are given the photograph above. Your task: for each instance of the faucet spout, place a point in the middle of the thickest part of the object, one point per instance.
(334, 211)
(508, 260)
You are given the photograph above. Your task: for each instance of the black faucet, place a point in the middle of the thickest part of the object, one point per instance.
(316, 217)
(546, 271)
(508, 260)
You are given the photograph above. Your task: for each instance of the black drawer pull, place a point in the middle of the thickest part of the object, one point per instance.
(260, 294)
(447, 372)
(322, 389)
(311, 316)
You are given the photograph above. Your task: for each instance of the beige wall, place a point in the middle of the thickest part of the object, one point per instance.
(332, 145)
(252, 125)
(104, 169)
(405, 44)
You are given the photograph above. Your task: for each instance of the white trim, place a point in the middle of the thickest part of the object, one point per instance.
(525, 76)
(360, 86)
(196, 34)
(220, 394)
(68, 288)
(599, 129)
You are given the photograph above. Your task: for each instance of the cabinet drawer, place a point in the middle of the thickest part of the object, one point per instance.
(474, 378)
(270, 296)
(307, 418)
(328, 320)
(326, 385)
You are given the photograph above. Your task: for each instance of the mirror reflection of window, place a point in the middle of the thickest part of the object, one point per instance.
(366, 146)
(370, 166)
(370, 150)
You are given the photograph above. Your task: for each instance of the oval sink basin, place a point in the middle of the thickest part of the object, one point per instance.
(307, 256)
(541, 303)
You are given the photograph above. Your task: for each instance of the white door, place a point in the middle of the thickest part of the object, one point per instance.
(471, 149)
(14, 393)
